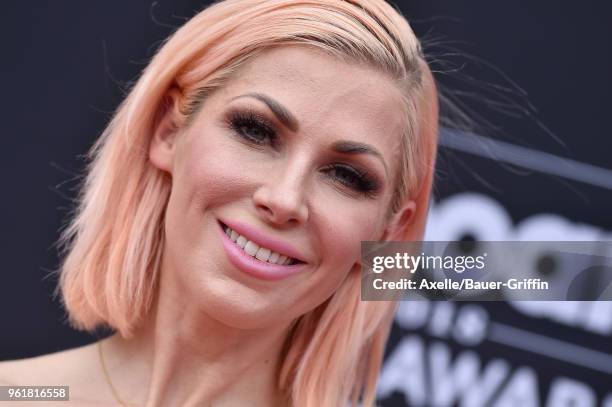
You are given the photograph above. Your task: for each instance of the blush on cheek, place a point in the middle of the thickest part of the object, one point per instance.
(214, 177)
(346, 231)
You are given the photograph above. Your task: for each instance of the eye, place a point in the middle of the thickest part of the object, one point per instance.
(358, 180)
(252, 127)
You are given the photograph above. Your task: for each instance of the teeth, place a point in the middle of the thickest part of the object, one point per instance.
(260, 253)
(251, 248)
(241, 241)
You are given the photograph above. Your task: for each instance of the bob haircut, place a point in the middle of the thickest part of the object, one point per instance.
(113, 246)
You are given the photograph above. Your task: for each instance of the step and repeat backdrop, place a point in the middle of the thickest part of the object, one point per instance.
(503, 353)
(524, 155)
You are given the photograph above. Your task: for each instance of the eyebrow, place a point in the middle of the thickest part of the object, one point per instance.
(281, 113)
(354, 147)
(289, 120)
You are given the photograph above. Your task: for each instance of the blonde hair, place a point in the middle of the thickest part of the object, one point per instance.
(114, 243)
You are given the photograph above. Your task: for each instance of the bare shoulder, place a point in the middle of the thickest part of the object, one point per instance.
(79, 368)
(72, 366)
(64, 368)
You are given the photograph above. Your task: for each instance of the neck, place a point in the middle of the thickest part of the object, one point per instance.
(183, 356)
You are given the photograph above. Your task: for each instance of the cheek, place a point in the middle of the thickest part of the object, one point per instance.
(211, 173)
(342, 227)
(203, 177)
(345, 225)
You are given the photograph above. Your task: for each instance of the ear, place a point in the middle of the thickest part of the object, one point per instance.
(162, 149)
(428, 133)
(397, 228)
(399, 222)
(412, 228)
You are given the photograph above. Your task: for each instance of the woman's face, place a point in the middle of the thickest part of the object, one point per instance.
(298, 155)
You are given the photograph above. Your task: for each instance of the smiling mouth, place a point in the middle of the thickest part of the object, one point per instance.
(256, 251)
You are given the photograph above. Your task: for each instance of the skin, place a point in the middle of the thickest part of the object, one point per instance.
(215, 334)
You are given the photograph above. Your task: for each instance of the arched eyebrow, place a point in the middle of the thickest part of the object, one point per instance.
(281, 113)
(289, 121)
(354, 147)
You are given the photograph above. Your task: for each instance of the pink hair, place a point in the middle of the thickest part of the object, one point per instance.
(114, 244)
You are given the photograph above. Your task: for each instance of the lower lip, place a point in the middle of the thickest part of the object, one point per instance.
(256, 268)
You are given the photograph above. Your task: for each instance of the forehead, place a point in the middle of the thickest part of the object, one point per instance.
(331, 98)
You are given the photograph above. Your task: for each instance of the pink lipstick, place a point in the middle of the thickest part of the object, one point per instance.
(253, 266)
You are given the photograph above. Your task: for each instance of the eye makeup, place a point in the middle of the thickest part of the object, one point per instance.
(254, 128)
(354, 178)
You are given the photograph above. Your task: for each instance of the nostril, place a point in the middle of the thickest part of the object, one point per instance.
(280, 205)
(264, 208)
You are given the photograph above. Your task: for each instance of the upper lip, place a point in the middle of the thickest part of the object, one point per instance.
(262, 239)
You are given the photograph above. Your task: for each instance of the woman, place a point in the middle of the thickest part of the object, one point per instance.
(220, 223)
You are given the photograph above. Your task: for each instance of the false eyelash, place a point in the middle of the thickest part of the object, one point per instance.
(365, 184)
(240, 120)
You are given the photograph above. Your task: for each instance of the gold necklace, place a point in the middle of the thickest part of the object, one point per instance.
(108, 379)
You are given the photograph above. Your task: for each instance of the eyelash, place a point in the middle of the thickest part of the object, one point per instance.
(238, 121)
(241, 122)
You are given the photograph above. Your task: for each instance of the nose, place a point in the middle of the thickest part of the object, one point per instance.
(281, 199)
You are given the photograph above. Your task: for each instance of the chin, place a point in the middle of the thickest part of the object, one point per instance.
(235, 305)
